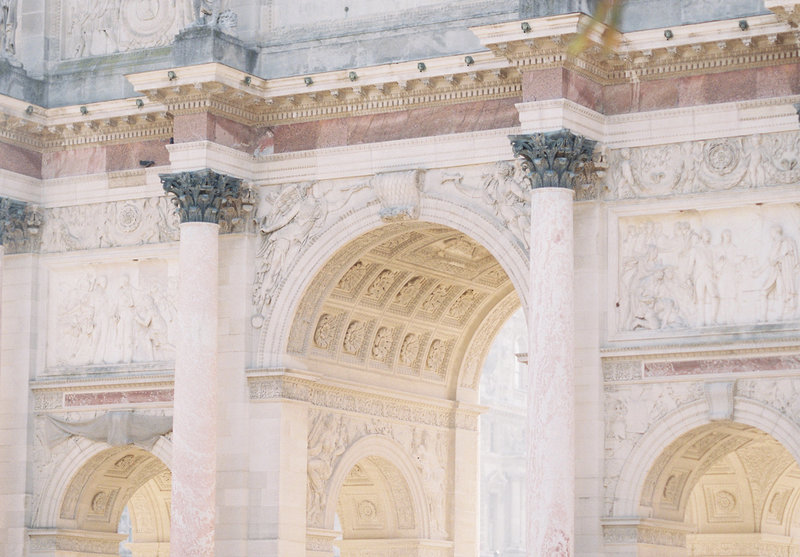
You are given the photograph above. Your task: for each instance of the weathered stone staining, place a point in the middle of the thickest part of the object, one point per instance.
(553, 159)
(552, 162)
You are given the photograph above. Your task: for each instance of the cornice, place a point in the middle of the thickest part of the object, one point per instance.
(709, 47)
(271, 384)
(496, 73)
(391, 87)
(51, 129)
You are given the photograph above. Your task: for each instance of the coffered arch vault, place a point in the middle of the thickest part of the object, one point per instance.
(409, 301)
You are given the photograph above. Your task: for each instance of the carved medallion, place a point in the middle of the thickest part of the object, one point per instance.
(324, 332)
(409, 349)
(129, 217)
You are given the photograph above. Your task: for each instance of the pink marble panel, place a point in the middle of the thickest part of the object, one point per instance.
(655, 95)
(402, 124)
(541, 85)
(19, 160)
(583, 90)
(126, 156)
(118, 397)
(74, 162)
(717, 366)
(233, 134)
(192, 127)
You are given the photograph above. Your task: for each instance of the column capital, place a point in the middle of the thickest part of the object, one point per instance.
(553, 159)
(19, 223)
(201, 195)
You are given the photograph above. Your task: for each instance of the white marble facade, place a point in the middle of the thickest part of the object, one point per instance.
(332, 340)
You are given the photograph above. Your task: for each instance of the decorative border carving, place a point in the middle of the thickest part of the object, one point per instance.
(278, 385)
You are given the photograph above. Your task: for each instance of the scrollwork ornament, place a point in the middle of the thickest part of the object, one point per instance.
(201, 195)
(553, 159)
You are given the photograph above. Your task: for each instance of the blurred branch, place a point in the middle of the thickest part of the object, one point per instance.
(607, 16)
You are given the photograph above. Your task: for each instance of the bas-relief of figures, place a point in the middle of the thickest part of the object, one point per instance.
(103, 318)
(708, 271)
(100, 225)
(505, 191)
(713, 165)
(292, 219)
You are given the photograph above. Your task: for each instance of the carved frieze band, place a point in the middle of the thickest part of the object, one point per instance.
(704, 166)
(202, 195)
(20, 224)
(554, 159)
(295, 388)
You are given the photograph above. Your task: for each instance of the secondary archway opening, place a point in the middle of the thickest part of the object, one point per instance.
(721, 489)
(121, 495)
(375, 510)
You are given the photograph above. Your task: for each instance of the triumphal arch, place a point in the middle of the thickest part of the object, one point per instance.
(255, 255)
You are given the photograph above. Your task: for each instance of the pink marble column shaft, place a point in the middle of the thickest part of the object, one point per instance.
(194, 453)
(551, 399)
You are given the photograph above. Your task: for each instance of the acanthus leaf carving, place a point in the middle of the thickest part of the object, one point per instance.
(20, 224)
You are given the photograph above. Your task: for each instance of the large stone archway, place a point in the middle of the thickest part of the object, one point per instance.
(386, 348)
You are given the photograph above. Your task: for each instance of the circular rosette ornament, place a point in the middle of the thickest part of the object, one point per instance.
(722, 166)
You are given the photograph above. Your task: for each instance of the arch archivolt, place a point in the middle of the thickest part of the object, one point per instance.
(481, 202)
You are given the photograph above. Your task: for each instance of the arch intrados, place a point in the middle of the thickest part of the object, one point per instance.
(274, 336)
(392, 453)
(54, 492)
(680, 421)
(104, 486)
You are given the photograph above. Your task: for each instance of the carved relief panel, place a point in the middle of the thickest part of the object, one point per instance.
(111, 314)
(101, 225)
(708, 268)
(96, 28)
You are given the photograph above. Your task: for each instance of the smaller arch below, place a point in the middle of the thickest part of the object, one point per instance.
(716, 488)
(655, 442)
(381, 467)
(100, 490)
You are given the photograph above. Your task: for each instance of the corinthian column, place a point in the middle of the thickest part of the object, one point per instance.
(552, 162)
(199, 197)
(19, 227)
